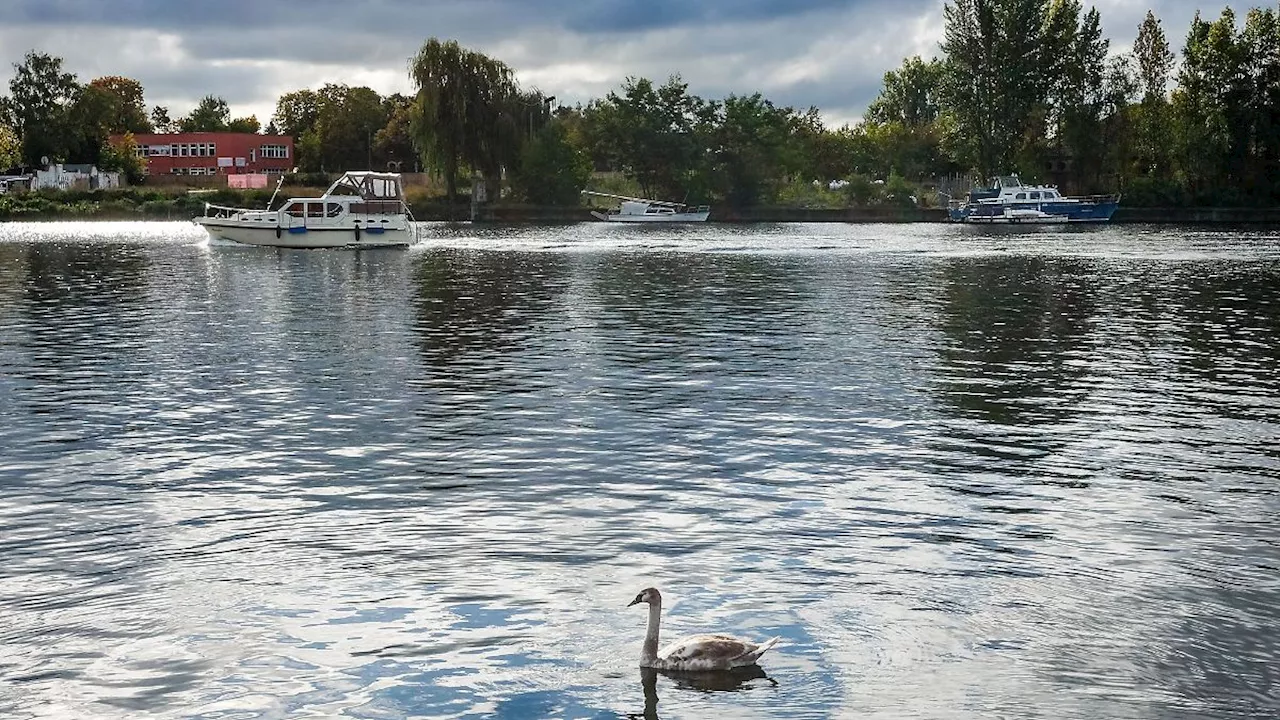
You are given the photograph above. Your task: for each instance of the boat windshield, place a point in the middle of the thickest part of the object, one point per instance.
(368, 185)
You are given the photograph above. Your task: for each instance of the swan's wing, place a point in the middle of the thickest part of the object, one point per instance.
(711, 652)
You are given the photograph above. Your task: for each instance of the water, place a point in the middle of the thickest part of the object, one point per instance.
(962, 473)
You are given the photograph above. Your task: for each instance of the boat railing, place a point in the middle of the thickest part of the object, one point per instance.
(1100, 198)
(225, 212)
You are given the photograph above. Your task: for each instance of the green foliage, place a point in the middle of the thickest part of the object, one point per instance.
(160, 120)
(552, 171)
(654, 134)
(41, 96)
(122, 157)
(1154, 59)
(995, 76)
(393, 145)
(810, 194)
(211, 114)
(1145, 191)
(125, 110)
(750, 147)
(464, 98)
(911, 95)
(862, 190)
(245, 125)
(10, 147)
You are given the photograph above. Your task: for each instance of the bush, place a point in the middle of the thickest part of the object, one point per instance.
(1152, 192)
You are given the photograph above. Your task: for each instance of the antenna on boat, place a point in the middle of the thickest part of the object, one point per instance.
(277, 191)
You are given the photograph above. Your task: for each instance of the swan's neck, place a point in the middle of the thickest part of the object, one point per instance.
(649, 653)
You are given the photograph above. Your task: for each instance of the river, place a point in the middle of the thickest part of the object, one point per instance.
(962, 473)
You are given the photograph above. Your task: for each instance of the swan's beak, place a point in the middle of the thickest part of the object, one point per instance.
(633, 602)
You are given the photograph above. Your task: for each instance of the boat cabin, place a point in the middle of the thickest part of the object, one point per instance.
(1008, 189)
(643, 208)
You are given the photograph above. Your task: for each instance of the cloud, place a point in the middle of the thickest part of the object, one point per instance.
(826, 53)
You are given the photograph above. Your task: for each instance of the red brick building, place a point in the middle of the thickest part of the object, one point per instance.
(215, 153)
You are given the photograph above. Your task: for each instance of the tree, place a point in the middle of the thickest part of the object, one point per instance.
(160, 120)
(245, 125)
(1154, 62)
(10, 147)
(41, 96)
(1209, 64)
(656, 135)
(211, 114)
(552, 171)
(995, 77)
(347, 119)
(1079, 99)
(127, 113)
(902, 123)
(89, 124)
(910, 94)
(1154, 59)
(297, 114)
(394, 142)
(462, 96)
(121, 156)
(750, 140)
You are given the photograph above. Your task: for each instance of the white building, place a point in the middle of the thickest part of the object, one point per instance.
(65, 177)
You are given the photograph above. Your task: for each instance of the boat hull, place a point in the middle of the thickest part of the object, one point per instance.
(1039, 213)
(305, 238)
(655, 218)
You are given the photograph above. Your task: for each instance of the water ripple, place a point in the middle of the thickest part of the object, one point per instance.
(962, 472)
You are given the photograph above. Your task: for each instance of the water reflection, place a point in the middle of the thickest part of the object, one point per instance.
(1018, 330)
(735, 680)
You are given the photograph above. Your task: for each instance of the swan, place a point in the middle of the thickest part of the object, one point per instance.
(696, 653)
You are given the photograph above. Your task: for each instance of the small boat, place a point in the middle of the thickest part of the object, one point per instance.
(1008, 200)
(360, 209)
(640, 210)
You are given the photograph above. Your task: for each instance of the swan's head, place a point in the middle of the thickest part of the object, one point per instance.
(647, 595)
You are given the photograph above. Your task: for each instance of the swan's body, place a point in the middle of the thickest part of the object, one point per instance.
(696, 653)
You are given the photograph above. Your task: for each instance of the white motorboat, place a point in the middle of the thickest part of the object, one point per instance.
(640, 210)
(360, 209)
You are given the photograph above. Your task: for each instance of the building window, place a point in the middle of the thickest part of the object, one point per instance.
(276, 152)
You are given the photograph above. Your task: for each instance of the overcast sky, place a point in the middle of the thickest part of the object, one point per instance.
(827, 53)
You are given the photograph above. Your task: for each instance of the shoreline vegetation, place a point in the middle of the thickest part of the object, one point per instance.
(175, 204)
(1030, 87)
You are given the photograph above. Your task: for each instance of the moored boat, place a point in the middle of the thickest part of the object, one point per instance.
(1008, 200)
(360, 209)
(641, 210)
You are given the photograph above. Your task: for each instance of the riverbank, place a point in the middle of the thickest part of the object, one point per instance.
(143, 203)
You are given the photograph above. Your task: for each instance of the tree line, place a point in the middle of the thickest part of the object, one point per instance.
(1026, 86)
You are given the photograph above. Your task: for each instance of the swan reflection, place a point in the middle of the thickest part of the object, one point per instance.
(736, 680)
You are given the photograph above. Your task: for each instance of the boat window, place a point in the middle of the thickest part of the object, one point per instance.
(332, 209)
(294, 209)
(1020, 196)
(1035, 196)
(315, 209)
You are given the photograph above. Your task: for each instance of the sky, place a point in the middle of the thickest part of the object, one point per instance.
(831, 54)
